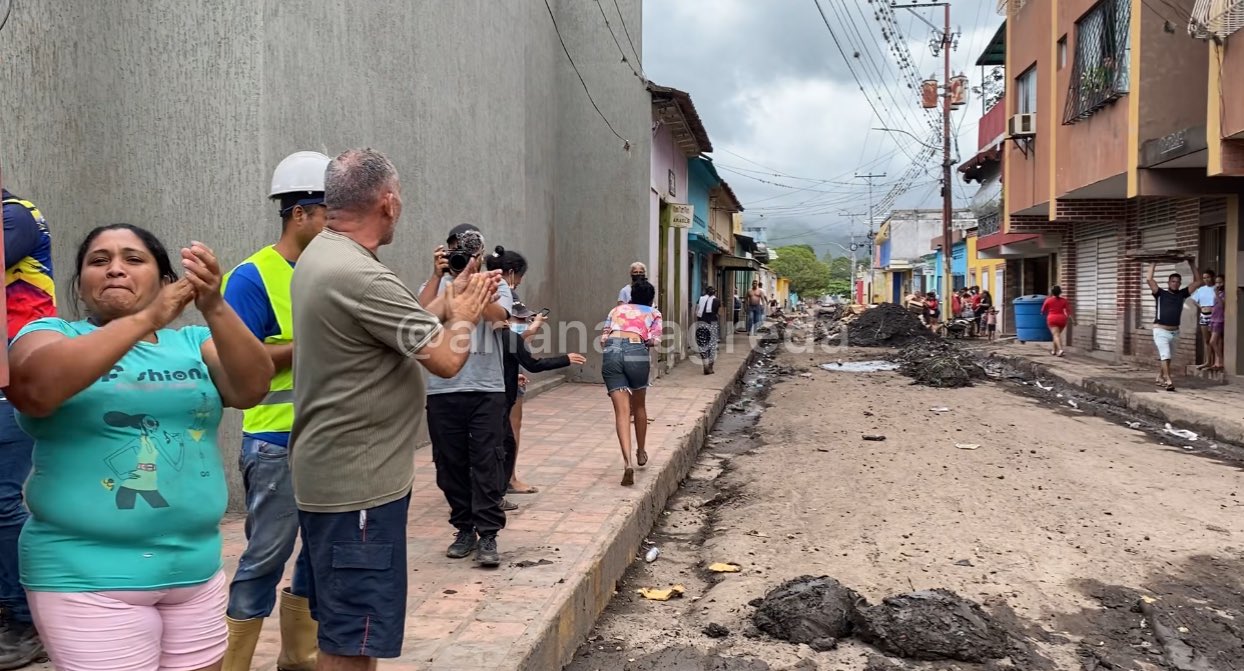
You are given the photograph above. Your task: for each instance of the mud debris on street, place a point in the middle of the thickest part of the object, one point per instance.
(1062, 537)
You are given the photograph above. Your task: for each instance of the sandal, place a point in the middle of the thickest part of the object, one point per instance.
(628, 477)
(1169, 386)
(529, 490)
(641, 457)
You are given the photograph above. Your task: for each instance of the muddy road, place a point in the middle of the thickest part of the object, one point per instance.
(1094, 544)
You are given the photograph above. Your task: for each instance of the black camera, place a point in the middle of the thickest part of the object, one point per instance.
(470, 245)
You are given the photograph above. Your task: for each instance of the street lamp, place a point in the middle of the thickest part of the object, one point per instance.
(918, 140)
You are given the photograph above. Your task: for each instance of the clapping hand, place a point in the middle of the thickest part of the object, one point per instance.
(468, 305)
(168, 305)
(203, 274)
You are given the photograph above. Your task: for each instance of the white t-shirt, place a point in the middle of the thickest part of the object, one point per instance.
(1204, 296)
(624, 296)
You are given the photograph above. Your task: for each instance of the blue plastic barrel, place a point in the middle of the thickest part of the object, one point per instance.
(1029, 322)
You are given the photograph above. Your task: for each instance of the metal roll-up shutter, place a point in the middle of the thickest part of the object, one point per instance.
(1107, 293)
(1157, 231)
(1213, 211)
(1084, 300)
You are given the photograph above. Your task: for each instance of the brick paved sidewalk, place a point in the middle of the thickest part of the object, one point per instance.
(582, 521)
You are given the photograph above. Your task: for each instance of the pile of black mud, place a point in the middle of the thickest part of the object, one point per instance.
(928, 625)
(816, 611)
(886, 325)
(939, 363)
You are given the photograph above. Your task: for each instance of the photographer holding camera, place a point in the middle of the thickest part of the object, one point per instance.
(467, 413)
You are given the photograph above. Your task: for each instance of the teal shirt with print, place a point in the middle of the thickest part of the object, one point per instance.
(128, 489)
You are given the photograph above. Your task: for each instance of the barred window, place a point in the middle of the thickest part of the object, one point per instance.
(1101, 73)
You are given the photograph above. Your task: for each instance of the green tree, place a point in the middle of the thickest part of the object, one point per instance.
(808, 276)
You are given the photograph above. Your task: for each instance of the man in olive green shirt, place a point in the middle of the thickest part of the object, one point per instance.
(363, 339)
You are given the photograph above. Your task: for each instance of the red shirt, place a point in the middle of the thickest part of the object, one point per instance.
(1055, 306)
(976, 301)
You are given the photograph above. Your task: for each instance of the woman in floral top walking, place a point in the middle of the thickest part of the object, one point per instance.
(630, 330)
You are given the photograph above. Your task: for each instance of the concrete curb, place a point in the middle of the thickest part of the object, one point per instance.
(1211, 426)
(554, 643)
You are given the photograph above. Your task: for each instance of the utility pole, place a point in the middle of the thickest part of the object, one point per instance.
(945, 42)
(871, 233)
(854, 247)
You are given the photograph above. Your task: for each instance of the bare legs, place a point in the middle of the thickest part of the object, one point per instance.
(1211, 359)
(1215, 344)
(1057, 333)
(622, 421)
(639, 411)
(628, 405)
(516, 423)
(326, 662)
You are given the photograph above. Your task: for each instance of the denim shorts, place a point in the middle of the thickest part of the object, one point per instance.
(358, 578)
(625, 365)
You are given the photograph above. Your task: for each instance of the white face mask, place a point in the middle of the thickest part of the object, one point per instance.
(518, 328)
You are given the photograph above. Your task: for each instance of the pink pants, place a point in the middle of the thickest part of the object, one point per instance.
(178, 629)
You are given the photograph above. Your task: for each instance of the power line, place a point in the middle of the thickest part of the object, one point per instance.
(626, 142)
(619, 44)
(627, 31)
(846, 60)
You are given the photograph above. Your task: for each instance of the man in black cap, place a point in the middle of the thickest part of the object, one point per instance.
(467, 413)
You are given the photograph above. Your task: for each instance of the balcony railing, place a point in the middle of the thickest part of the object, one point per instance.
(1101, 74)
(988, 224)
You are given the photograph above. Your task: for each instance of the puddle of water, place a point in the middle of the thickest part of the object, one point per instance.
(860, 366)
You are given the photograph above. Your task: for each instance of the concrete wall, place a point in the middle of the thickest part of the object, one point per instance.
(1232, 87)
(172, 116)
(1173, 74)
(1027, 168)
(1095, 148)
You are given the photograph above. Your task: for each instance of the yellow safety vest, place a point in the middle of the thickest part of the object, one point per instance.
(275, 414)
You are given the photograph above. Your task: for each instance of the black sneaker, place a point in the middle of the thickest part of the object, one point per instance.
(487, 555)
(19, 646)
(463, 545)
(507, 505)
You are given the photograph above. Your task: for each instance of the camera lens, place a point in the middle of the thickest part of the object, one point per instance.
(458, 261)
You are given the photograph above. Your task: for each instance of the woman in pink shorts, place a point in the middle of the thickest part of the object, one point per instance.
(121, 555)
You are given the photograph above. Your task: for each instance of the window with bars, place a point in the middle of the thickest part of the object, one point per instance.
(1100, 74)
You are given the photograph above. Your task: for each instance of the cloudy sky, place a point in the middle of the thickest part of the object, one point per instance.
(788, 122)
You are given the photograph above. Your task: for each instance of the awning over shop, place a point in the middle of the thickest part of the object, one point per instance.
(699, 242)
(1017, 245)
(728, 262)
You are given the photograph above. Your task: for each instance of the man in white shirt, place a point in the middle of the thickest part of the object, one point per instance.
(1204, 298)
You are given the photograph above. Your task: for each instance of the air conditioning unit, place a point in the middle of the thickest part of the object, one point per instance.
(1022, 125)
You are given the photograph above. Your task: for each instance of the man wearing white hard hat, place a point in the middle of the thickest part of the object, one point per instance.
(258, 289)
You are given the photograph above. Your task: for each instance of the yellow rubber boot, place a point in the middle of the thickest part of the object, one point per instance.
(243, 636)
(298, 634)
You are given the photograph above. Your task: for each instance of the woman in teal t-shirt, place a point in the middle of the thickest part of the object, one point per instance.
(121, 555)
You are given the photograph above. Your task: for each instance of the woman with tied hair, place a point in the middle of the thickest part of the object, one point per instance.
(121, 556)
(631, 329)
(1057, 313)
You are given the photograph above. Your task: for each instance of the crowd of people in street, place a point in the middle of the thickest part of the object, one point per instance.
(112, 488)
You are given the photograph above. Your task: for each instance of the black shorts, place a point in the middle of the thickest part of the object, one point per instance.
(358, 578)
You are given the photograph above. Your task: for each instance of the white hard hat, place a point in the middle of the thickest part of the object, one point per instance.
(300, 172)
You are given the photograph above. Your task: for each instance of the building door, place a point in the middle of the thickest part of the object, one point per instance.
(1095, 301)
(1107, 293)
(997, 282)
(1155, 234)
